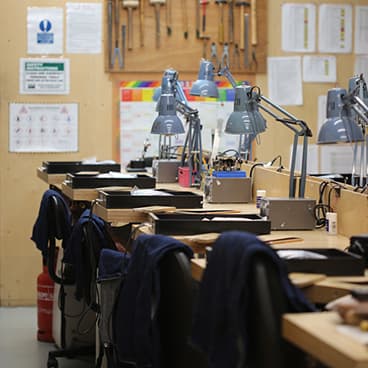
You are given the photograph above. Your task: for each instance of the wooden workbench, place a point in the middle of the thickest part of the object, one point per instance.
(316, 334)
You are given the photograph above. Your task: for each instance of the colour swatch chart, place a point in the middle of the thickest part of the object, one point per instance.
(138, 111)
(43, 127)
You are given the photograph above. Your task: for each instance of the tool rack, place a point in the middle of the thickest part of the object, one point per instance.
(183, 48)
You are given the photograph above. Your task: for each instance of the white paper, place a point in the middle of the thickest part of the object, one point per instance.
(312, 158)
(336, 158)
(319, 69)
(353, 332)
(335, 28)
(45, 30)
(83, 28)
(361, 65)
(285, 80)
(43, 127)
(361, 30)
(299, 27)
(322, 111)
(44, 76)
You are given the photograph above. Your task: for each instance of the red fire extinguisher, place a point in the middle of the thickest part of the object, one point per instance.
(45, 296)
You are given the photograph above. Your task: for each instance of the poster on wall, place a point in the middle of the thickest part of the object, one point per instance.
(298, 27)
(83, 28)
(45, 30)
(138, 111)
(335, 31)
(44, 76)
(43, 127)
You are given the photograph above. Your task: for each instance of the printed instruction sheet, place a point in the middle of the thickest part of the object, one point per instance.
(43, 127)
(83, 28)
(299, 27)
(335, 28)
(285, 80)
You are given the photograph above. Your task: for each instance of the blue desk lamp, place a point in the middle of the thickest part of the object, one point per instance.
(341, 125)
(167, 122)
(192, 149)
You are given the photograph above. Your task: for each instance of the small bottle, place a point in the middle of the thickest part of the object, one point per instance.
(331, 223)
(259, 195)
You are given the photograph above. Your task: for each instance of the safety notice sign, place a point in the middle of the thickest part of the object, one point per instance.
(44, 76)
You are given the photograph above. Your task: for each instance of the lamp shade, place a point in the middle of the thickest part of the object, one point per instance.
(340, 126)
(205, 85)
(167, 122)
(245, 119)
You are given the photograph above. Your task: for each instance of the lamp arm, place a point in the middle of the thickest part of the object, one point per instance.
(224, 70)
(291, 122)
(362, 106)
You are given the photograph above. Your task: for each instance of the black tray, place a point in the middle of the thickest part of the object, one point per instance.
(190, 224)
(337, 263)
(61, 167)
(178, 199)
(81, 181)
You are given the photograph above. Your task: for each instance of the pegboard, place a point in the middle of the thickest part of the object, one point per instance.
(185, 45)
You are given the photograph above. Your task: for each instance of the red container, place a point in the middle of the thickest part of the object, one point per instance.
(45, 297)
(184, 177)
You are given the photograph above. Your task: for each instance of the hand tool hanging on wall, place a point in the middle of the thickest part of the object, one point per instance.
(205, 43)
(254, 35)
(231, 21)
(157, 6)
(109, 32)
(141, 23)
(236, 56)
(214, 57)
(117, 53)
(184, 13)
(197, 17)
(242, 4)
(130, 5)
(168, 16)
(204, 5)
(123, 35)
(245, 36)
(221, 26)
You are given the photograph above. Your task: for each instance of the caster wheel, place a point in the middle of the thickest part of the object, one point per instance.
(52, 363)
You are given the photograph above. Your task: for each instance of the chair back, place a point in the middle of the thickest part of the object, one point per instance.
(175, 313)
(267, 348)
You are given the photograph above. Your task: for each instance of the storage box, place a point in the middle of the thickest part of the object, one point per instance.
(199, 223)
(165, 171)
(334, 263)
(178, 199)
(61, 167)
(289, 213)
(228, 190)
(81, 181)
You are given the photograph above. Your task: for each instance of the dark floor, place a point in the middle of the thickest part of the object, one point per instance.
(19, 347)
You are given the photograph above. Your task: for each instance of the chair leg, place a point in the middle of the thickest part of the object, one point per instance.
(68, 353)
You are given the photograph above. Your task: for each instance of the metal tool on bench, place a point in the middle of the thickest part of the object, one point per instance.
(130, 5)
(116, 53)
(157, 5)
